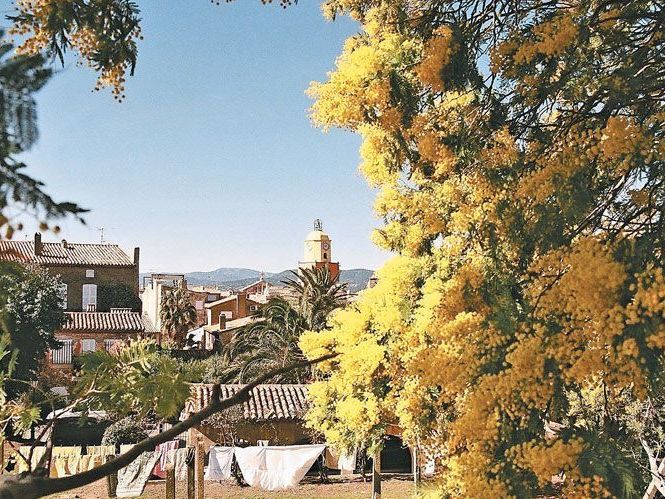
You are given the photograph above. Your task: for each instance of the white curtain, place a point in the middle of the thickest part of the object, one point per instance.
(276, 467)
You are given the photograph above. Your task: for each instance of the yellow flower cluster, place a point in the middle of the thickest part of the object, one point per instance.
(437, 54)
(552, 38)
(38, 32)
(547, 459)
(502, 151)
(360, 88)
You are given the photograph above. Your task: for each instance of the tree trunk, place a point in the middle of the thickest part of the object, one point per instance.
(376, 475)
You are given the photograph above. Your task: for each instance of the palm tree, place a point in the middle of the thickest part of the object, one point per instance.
(319, 293)
(272, 341)
(177, 314)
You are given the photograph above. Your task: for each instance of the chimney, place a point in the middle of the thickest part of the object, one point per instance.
(137, 252)
(64, 243)
(38, 244)
(241, 303)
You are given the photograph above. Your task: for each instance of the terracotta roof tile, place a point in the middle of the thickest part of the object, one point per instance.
(266, 402)
(128, 322)
(56, 254)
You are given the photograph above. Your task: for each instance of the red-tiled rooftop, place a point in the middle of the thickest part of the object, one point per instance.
(122, 321)
(266, 402)
(109, 255)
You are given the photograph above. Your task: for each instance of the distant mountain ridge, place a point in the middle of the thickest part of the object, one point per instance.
(234, 278)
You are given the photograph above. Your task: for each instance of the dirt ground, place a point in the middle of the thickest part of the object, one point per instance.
(393, 487)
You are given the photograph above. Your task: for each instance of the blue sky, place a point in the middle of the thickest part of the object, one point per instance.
(211, 160)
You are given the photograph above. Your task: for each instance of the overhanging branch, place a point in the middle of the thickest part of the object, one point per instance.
(32, 485)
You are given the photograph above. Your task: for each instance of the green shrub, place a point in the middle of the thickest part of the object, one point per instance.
(193, 370)
(218, 369)
(129, 430)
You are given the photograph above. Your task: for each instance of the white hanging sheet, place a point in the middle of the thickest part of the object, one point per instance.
(133, 477)
(181, 459)
(345, 462)
(276, 467)
(219, 463)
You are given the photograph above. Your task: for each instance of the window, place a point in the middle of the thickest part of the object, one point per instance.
(89, 297)
(90, 273)
(62, 355)
(63, 295)
(88, 345)
(199, 305)
(109, 344)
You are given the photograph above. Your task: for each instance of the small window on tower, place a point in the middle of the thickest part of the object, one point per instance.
(90, 273)
(325, 256)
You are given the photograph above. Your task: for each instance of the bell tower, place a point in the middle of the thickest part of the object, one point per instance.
(318, 251)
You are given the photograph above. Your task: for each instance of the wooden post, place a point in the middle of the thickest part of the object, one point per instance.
(376, 475)
(200, 455)
(191, 489)
(416, 468)
(111, 480)
(170, 481)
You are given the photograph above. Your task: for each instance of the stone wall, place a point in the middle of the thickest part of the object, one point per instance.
(75, 277)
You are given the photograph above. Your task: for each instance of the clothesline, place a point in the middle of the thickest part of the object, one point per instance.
(264, 466)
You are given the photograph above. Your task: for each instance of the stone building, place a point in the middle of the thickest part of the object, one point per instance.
(236, 306)
(273, 413)
(95, 276)
(100, 293)
(86, 332)
(155, 285)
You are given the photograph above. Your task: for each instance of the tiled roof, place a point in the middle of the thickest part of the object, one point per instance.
(266, 402)
(125, 322)
(245, 288)
(233, 297)
(57, 254)
(234, 324)
(220, 301)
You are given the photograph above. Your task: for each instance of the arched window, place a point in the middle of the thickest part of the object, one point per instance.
(89, 297)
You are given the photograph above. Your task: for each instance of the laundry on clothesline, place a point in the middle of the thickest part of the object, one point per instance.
(164, 448)
(133, 477)
(276, 467)
(219, 463)
(37, 454)
(180, 459)
(65, 461)
(344, 462)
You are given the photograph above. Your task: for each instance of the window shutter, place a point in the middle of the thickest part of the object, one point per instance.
(88, 345)
(63, 295)
(109, 344)
(89, 297)
(62, 355)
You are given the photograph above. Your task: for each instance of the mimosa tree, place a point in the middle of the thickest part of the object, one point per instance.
(517, 149)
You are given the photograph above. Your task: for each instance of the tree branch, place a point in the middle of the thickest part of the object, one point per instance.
(32, 485)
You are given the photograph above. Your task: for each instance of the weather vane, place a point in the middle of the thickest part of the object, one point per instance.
(318, 225)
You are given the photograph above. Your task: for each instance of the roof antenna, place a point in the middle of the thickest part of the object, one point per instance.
(318, 225)
(101, 234)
